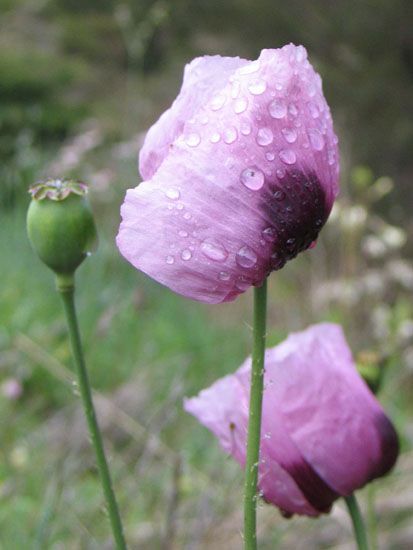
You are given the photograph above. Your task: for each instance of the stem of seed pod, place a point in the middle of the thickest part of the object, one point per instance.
(254, 421)
(358, 525)
(65, 286)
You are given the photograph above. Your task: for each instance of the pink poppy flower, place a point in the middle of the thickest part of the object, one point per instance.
(323, 435)
(240, 175)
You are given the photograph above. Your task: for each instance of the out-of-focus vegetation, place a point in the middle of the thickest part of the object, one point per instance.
(80, 81)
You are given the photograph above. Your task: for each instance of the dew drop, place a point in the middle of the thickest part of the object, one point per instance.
(264, 136)
(215, 137)
(182, 233)
(257, 87)
(230, 135)
(300, 54)
(270, 156)
(290, 135)
(280, 173)
(240, 105)
(214, 250)
(287, 156)
(242, 284)
(193, 140)
(245, 128)
(173, 193)
(217, 102)
(316, 140)
(293, 109)
(187, 216)
(180, 206)
(204, 120)
(269, 234)
(186, 255)
(224, 276)
(279, 195)
(250, 68)
(279, 86)
(246, 257)
(170, 260)
(253, 178)
(277, 108)
(314, 112)
(235, 89)
(290, 243)
(311, 90)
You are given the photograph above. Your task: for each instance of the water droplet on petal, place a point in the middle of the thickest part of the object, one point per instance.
(257, 87)
(170, 260)
(245, 128)
(182, 233)
(230, 135)
(287, 156)
(316, 139)
(187, 216)
(279, 195)
(186, 255)
(290, 135)
(215, 137)
(290, 243)
(264, 136)
(279, 86)
(315, 113)
(235, 89)
(311, 90)
(193, 140)
(173, 193)
(243, 284)
(214, 250)
(246, 257)
(270, 156)
(280, 173)
(277, 108)
(269, 234)
(253, 178)
(293, 109)
(224, 276)
(217, 102)
(204, 119)
(249, 68)
(240, 105)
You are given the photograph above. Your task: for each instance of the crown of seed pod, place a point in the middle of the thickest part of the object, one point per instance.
(60, 224)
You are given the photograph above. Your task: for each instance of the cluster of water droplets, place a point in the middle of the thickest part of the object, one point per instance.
(292, 119)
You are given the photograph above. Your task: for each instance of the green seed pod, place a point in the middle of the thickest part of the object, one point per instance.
(60, 225)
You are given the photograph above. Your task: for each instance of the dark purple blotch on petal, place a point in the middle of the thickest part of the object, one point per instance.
(389, 445)
(296, 207)
(318, 493)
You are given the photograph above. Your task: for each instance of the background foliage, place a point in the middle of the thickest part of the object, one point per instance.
(80, 81)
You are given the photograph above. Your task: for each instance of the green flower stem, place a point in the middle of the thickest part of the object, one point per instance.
(254, 422)
(358, 524)
(65, 286)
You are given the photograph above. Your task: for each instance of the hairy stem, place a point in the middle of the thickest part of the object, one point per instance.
(254, 422)
(66, 290)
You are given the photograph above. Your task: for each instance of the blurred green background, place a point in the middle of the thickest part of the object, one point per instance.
(80, 82)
